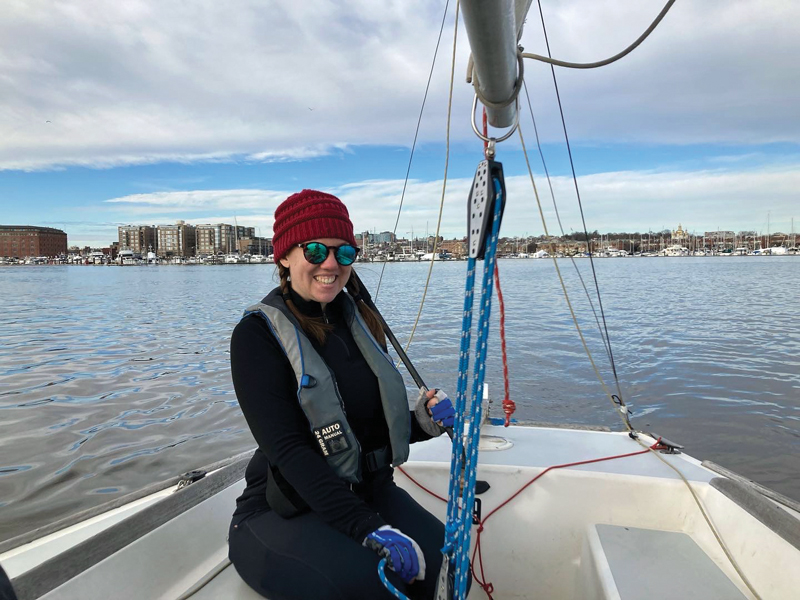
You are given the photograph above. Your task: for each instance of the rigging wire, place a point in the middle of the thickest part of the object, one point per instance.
(560, 225)
(707, 518)
(444, 181)
(600, 63)
(578, 194)
(414, 143)
(621, 410)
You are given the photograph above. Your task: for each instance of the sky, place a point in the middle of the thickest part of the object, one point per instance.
(147, 112)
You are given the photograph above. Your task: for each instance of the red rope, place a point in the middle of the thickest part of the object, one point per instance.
(487, 586)
(508, 404)
(485, 128)
(434, 494)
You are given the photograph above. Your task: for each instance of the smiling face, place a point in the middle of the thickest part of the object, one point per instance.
(320, 283)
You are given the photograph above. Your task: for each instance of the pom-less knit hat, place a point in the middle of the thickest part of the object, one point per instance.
(309, 215)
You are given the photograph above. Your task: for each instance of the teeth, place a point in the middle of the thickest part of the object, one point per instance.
(329, 279)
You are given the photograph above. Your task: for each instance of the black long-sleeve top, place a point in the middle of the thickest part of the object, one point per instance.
(266, 388)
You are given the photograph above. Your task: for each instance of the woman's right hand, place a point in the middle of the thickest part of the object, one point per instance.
(434, 411)
(403, 554)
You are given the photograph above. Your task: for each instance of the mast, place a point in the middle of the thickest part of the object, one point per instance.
(493, 29)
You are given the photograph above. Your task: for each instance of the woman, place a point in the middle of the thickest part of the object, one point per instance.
(330, 414)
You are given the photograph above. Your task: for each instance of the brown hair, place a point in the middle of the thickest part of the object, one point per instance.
(315, 327)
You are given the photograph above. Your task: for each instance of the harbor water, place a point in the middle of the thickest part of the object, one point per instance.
(112, 378)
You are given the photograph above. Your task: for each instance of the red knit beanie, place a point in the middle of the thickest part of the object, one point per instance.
(309, 215)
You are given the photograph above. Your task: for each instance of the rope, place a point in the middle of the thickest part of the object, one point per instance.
(580, 204)
(563, 233)
(508, 404)
(707, 518)
(463, 471)
(472, 75)
(388, 584)
(622, 410)
(607, 61)
(414, 143)
(419, 485)
(487, 586)
(444, 182)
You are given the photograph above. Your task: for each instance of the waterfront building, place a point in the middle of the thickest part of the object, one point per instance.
(256, 246)
(720, 240)
(206, 240)
(225, 240)
(22, 241)
(679, 236)
(137, 238)
(375, 239)
(176, 240)
(455, 247)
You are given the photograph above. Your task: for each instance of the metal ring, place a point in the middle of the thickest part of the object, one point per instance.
(500, 139)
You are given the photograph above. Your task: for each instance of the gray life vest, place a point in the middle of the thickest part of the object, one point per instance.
(318, 393)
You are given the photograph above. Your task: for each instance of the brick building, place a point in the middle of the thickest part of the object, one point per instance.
(206, 236)
(139, 238)
(21, 241)
(221, 238)
(255, 246)
(176, 240)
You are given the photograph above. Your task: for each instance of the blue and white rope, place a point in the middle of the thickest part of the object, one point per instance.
(388, 584)
(461, 496)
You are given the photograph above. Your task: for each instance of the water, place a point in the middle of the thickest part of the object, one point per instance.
(112, 378)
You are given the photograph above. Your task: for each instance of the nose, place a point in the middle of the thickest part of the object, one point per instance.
(330, 261)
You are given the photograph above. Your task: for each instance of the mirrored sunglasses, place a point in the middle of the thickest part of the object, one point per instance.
(317, 252)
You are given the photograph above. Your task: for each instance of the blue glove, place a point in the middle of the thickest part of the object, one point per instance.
(443, 411)
(404, 555)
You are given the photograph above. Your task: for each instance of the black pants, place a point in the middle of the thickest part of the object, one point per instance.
(304, 558)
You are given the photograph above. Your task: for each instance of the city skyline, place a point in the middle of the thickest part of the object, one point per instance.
(102, 123)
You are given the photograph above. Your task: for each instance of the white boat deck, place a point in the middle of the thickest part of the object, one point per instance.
(542, 447)
(559, 538)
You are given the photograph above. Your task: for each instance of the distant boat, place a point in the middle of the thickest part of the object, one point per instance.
(126, 257)
(675, 250)
(437, 256)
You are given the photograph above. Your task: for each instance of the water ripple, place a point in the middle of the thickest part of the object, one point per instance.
(121, 377)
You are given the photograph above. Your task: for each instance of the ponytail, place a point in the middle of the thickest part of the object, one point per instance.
(370, 318)
(313, 327)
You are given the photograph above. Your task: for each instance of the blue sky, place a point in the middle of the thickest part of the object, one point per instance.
(150, 112)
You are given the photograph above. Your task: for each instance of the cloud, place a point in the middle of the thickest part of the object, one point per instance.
(613, 201)
(102, 84)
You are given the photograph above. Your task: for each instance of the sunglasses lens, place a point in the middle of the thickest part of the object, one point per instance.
(315, 252)
(346, 255)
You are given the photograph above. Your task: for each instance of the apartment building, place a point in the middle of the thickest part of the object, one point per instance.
(207, 236)
(138, 238)
(225, 238)
(176, 240)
